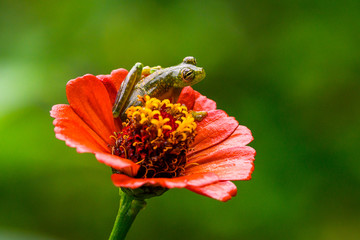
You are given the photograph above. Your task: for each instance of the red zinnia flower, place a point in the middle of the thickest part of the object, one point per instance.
(218, 152)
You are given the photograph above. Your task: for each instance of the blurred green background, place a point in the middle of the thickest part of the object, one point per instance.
(289, 70)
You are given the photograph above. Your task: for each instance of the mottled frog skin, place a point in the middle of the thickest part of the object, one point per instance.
(162, 83)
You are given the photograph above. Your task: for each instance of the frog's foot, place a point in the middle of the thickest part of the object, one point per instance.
(149, 70)
(199, 115)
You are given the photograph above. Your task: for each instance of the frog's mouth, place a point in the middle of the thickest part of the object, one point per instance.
(199, 75)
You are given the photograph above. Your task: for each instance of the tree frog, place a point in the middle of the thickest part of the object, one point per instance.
(161, 83)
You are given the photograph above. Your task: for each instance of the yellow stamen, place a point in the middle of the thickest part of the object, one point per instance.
(156, 136)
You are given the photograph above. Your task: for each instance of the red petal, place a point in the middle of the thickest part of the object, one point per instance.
(118, 76)
(104, 77)
(241, 137)
(202, 103)
(213, 129)
(90, 100)
(109, 85)
(229, 163)
(195, 101)
(222, 191)
(188, 96)
(70, 128)
(118, 163)
(112, 82)
(193, 180)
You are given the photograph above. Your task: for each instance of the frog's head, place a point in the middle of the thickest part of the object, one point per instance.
(188, 73)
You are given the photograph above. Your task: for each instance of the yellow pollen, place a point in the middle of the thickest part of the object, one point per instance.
(157, 136)
(151, 113)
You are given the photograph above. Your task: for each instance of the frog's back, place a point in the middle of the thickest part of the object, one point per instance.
(158, 83)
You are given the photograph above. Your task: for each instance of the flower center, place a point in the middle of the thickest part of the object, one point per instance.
(157, 136)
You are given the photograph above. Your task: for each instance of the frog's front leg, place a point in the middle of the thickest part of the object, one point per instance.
(126, 88)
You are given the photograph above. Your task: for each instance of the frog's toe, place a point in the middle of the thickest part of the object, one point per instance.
(199, 115)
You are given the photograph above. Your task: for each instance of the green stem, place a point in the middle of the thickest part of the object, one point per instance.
(128, 209)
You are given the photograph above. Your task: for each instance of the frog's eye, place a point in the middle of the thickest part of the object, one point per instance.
(190, 60)
(187, 74)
